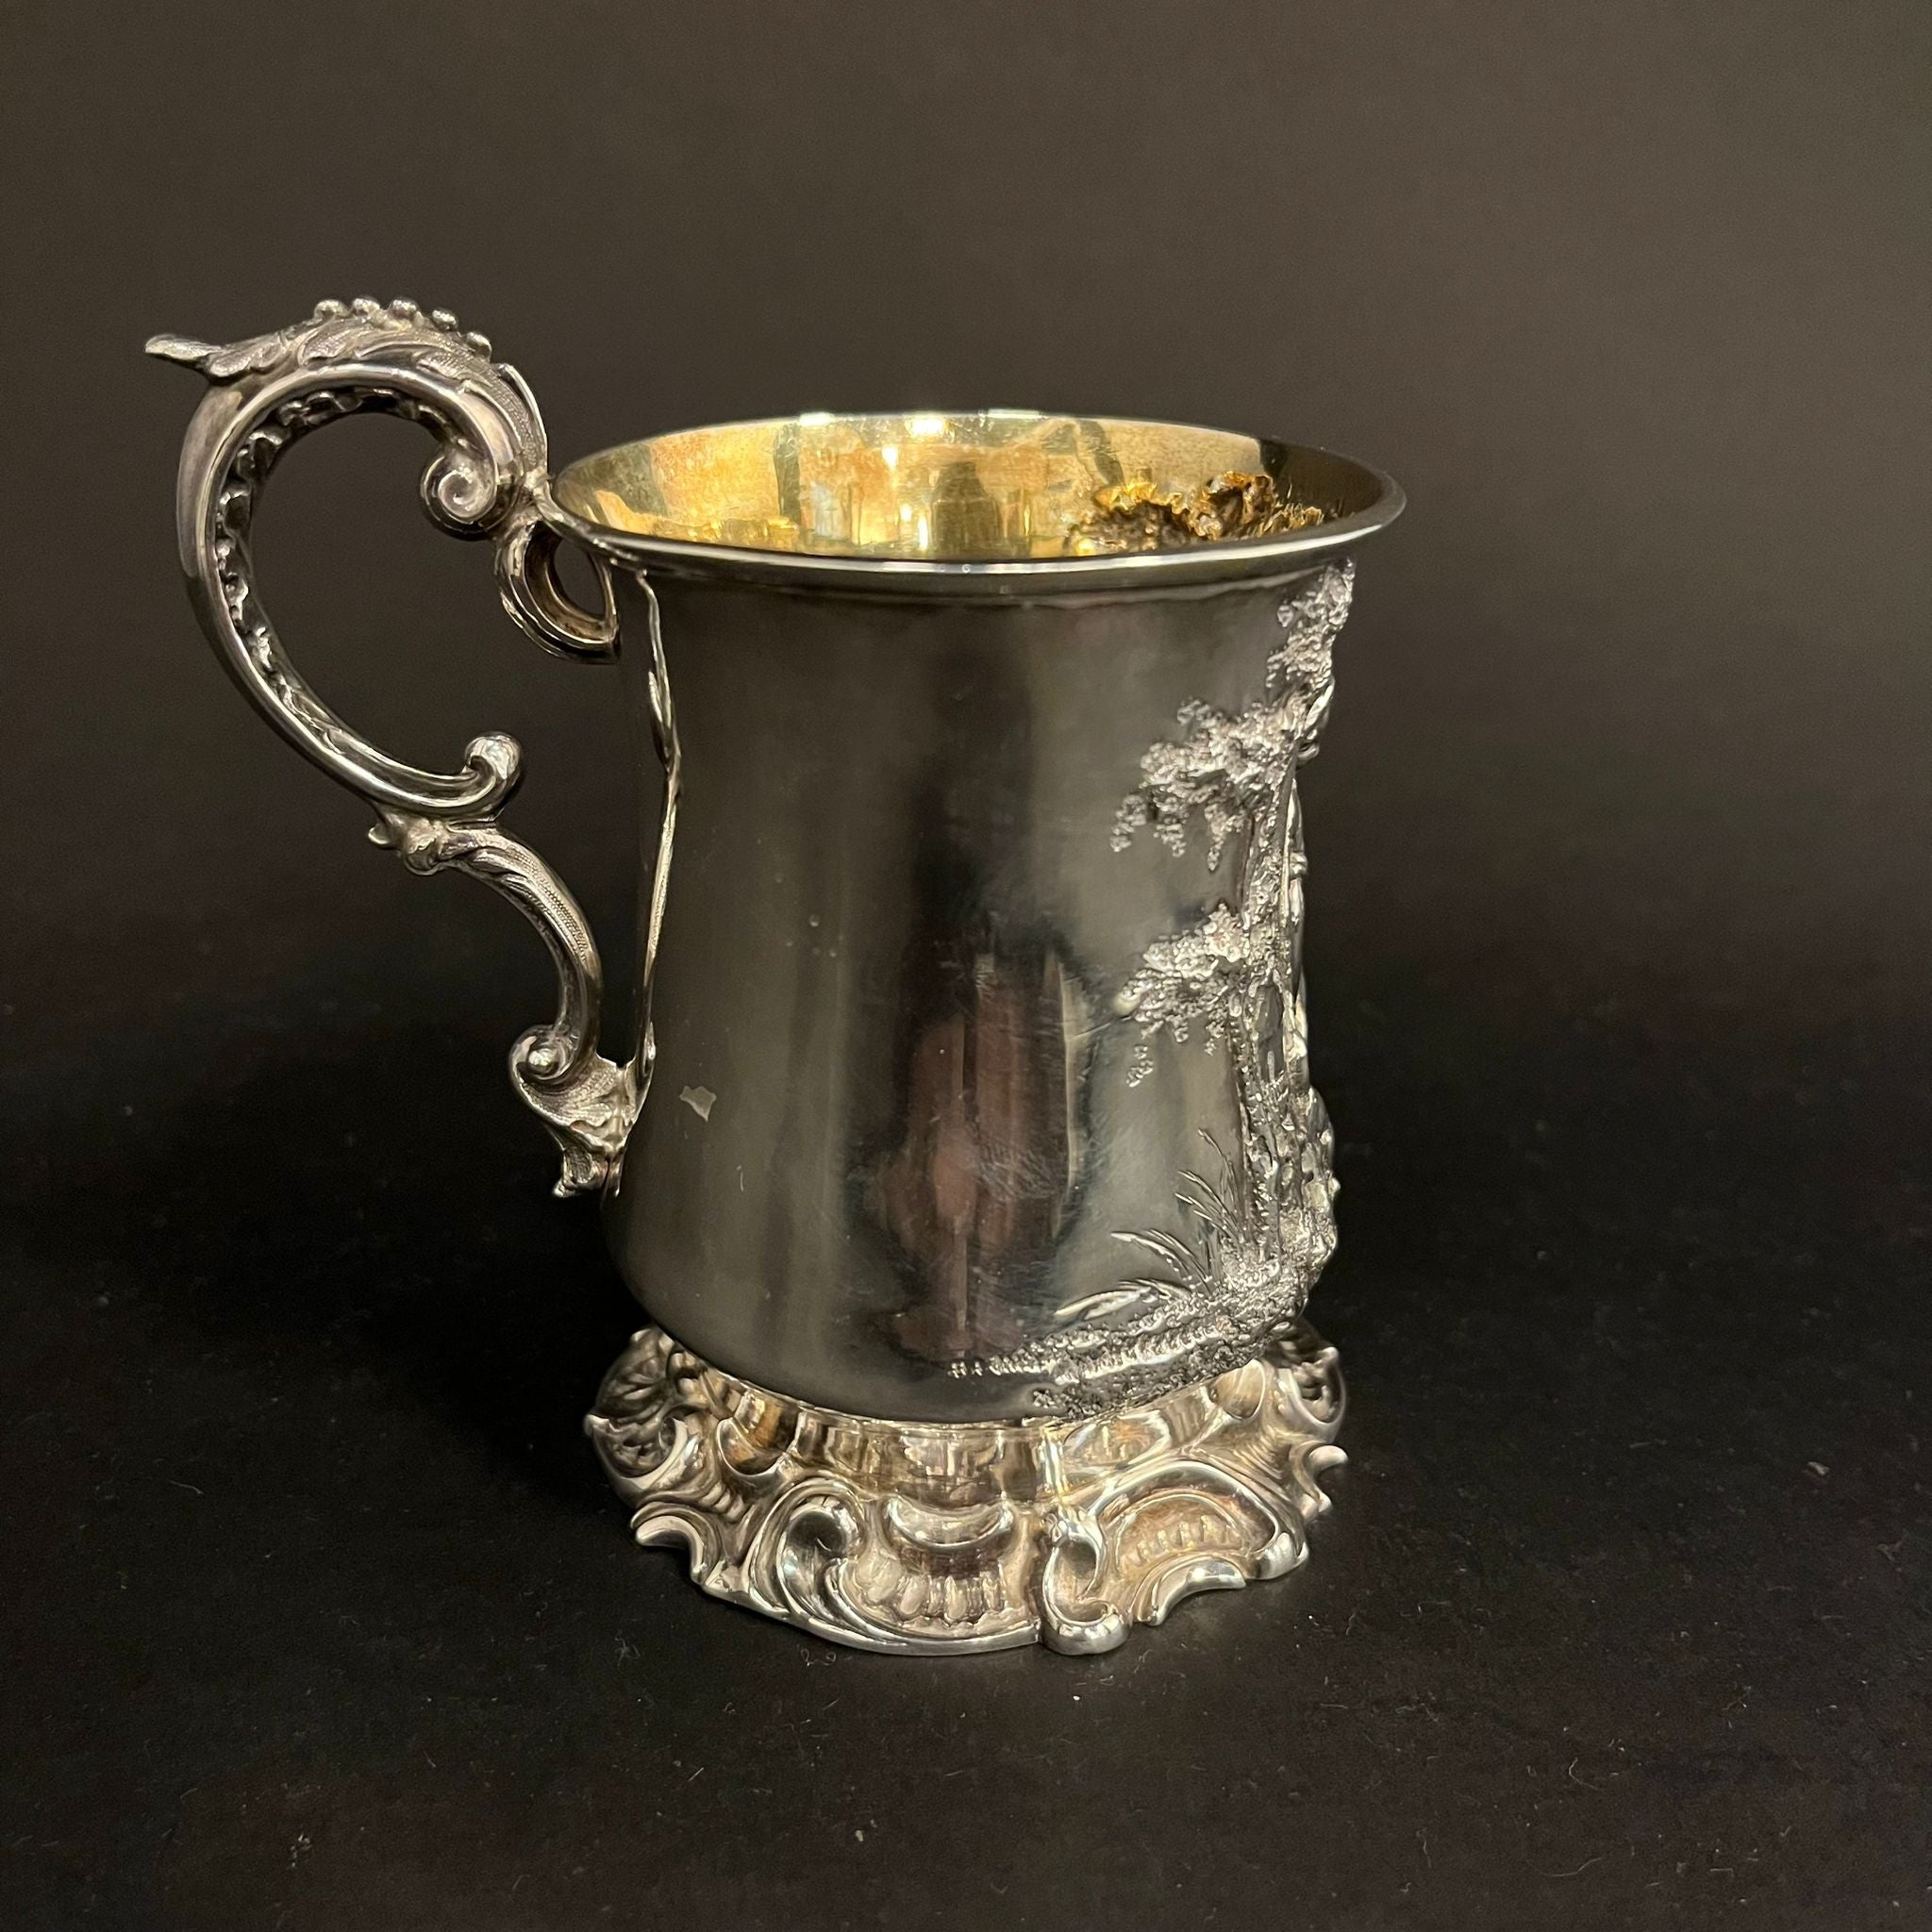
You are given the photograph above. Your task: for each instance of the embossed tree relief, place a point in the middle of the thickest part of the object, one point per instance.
(1257, 1218)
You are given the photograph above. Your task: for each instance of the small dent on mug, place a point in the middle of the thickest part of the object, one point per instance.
(701, 1100)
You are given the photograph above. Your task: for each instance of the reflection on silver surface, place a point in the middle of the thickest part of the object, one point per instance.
(977, 1186)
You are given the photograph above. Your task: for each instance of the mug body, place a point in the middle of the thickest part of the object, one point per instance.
(905, 1114)
(978, 1086)
(976, 1056)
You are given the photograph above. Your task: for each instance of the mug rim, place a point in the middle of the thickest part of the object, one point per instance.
(1240, 559)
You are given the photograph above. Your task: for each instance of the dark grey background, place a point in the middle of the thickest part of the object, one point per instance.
(318, 1614)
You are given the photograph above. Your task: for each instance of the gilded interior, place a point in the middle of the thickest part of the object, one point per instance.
(990, 486)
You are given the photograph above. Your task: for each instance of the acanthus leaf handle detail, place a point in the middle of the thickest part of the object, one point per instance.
(488, 479)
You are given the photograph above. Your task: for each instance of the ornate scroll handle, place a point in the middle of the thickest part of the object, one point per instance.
(490, 479)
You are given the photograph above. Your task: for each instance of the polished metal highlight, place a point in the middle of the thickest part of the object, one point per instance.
(961, 1537)
(984, 1173)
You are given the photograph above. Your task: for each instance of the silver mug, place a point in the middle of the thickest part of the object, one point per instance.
(982, 1183)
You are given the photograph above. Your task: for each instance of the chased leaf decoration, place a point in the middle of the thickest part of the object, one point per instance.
(1258, 1226)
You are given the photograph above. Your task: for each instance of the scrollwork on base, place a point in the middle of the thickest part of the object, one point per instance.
(939, 1538)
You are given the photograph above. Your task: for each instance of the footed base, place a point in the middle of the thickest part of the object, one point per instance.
(938, 1537)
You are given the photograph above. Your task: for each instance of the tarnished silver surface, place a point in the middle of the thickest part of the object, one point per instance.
(984, 1143)
(963, 1536)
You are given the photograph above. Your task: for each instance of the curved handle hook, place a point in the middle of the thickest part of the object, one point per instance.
(488, 479)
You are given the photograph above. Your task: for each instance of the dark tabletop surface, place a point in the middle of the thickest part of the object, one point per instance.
(319, 1614)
